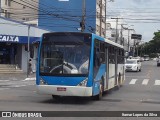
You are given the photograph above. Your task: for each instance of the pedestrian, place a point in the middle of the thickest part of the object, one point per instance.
(30, 67)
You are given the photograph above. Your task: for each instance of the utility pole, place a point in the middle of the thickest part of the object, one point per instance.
(28, 50)
(100, 18)
(121, 32)
(116, 30)
(0, 8)
(82, 23)
(128, 45)
(105, 17)
(129, 38)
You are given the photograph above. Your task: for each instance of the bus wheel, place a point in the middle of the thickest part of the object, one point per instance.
(99, 96)
(56, 97)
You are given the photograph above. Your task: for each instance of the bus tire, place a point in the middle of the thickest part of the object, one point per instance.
(101, 90)
(56, 97)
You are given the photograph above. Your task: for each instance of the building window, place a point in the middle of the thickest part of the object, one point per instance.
(2, 10)
(7, 14)
(9, 2)
(6, 1)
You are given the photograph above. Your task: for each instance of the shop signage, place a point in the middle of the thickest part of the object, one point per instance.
(8, 38)
(17, 39)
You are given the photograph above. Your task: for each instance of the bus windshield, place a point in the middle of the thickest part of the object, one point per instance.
(65, 55)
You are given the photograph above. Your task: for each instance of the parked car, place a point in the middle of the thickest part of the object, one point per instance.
(133, 65)
(158, 61)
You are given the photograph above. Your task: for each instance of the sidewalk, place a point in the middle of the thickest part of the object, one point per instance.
(17, 76)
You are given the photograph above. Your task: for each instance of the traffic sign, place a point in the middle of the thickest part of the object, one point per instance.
(136, 36)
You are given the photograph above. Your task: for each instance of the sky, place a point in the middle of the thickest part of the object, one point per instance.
(143, 14)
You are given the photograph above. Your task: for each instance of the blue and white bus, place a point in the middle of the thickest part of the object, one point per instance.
(78, 64)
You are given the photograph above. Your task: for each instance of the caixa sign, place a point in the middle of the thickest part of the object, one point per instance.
(8, 38)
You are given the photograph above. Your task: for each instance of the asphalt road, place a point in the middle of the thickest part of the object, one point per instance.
(140, 92)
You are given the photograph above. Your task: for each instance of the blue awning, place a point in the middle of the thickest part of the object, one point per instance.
(18, 39)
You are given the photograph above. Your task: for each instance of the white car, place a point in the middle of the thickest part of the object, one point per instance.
(133, 65)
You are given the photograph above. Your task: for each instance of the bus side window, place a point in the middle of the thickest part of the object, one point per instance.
(99, 53)
(96, 57)
(102, 52)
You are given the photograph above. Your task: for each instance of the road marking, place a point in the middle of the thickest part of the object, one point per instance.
(4, 88)
(133, 81)
(157, 82)
(145, 81)
(29, 79)
(4, 80)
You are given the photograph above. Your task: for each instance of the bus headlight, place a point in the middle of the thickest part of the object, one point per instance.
(83, 83)
(42, 82)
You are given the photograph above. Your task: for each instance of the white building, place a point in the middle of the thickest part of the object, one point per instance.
(123, 34)
(20, 10)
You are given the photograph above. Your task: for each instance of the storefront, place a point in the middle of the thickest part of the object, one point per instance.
(14, 39)
(8, 53)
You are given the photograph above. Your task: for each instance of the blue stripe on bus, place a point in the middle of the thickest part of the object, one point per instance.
(100, 73)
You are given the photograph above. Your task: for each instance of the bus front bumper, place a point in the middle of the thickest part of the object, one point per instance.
(64, 90)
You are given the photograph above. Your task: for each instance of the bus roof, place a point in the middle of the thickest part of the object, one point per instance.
(94, 35)
(108, 41)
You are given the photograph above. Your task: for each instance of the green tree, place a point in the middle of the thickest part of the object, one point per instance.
(152, 47)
